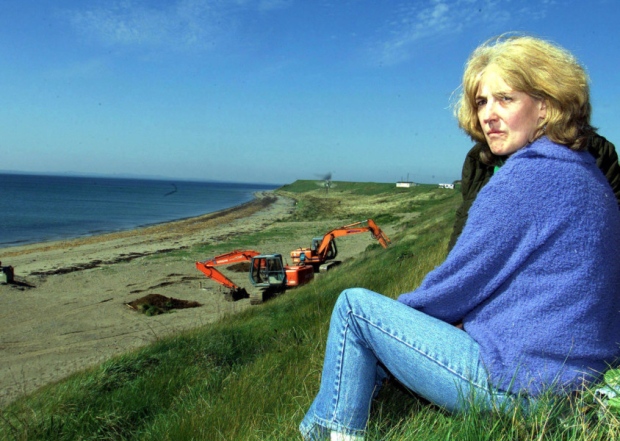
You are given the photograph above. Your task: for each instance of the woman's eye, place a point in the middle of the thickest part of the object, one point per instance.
(480, 103)
(506, 98)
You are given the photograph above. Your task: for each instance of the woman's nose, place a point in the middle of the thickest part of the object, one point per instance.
(488, 114)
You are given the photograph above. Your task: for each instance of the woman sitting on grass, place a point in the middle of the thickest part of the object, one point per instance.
(533, 279)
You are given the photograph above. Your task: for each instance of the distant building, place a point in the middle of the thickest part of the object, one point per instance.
(405, 184)
(451, 186)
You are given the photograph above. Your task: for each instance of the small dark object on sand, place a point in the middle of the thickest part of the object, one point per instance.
(7, 274)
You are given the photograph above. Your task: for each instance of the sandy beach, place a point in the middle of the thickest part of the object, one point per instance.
(67, 309)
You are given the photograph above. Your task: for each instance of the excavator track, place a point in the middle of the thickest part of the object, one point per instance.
(329, 265)
(256, 298)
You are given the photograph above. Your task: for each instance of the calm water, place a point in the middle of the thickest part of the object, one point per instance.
(41, 208)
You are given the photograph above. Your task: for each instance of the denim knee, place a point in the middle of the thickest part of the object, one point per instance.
(351, 298)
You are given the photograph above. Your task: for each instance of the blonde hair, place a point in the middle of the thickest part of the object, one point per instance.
(541, 69)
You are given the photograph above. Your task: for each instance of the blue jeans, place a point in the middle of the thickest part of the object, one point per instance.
(430, 357)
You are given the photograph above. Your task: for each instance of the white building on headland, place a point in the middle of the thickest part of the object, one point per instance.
(405, 184)
(451, 186)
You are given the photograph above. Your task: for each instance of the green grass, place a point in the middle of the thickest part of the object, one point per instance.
(380, 202)
(253, 375)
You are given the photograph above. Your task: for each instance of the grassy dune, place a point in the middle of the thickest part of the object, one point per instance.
(253, 375)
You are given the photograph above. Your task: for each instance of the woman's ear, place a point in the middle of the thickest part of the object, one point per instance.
(542, 109)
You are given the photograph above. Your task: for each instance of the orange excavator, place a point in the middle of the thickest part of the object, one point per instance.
(267, 272)
(324, 248)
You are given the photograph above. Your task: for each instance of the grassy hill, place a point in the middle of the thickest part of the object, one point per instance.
(253, 375)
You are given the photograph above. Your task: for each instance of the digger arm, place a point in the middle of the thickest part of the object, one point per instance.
(214, 274)
(371, 226)
(378, 234)
(232, 257)
(207, 267)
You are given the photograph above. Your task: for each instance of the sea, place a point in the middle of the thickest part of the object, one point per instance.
(37, 208)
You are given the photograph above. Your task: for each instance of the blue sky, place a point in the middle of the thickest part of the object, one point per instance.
(266, 90)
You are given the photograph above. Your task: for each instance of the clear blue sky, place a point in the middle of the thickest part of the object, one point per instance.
(266, 90)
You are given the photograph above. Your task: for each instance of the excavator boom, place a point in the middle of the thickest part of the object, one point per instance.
(354, 228)
(232, 257)
(216, 275)
(208, 269)
(326, 249)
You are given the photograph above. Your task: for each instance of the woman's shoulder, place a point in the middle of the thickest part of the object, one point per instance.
(541, 171)
(545, 149)
(555, 176)
(548, 161)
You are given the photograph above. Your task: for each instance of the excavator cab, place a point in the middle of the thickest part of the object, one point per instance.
(332, 250)
(267, 271)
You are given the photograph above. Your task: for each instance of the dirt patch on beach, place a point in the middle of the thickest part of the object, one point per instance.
(155, 304)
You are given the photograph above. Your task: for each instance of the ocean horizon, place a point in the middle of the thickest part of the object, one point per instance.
(42, 208)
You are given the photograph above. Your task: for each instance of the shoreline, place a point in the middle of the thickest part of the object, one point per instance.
(10, 249)
(67, 310)
(48, 208)
(177, 234)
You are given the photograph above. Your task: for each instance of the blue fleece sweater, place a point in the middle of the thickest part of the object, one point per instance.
(535, 275)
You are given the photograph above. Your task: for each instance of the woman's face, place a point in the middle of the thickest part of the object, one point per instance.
(509, 119)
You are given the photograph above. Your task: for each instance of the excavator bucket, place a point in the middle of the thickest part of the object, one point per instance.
(378, 234)
(236, 294)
